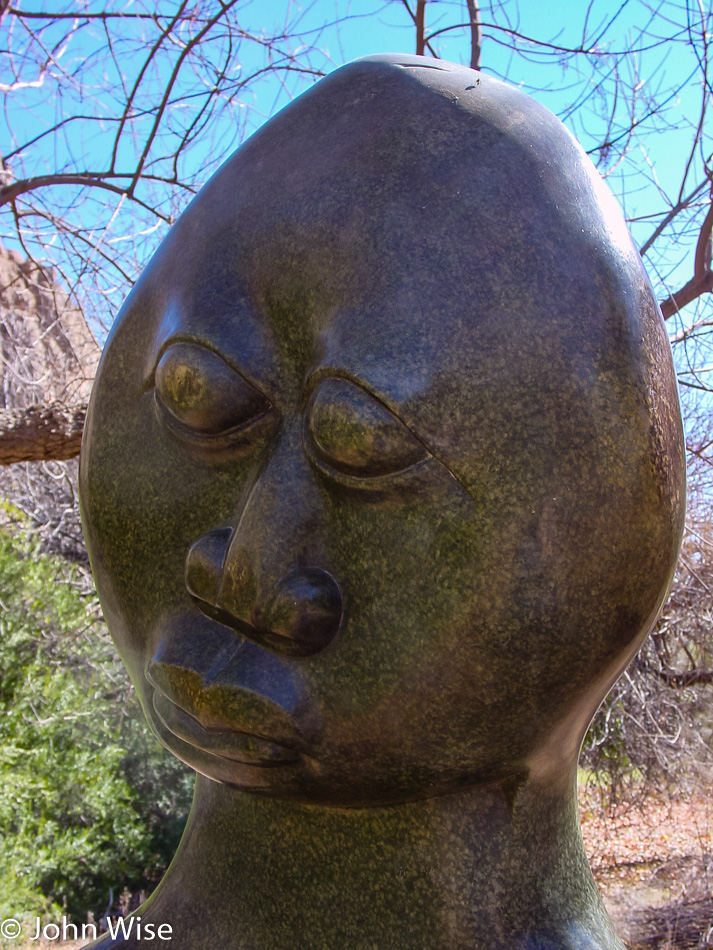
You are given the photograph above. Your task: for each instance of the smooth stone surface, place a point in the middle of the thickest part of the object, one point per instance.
(383, 485)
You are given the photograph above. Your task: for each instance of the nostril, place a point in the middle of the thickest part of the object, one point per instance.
(304, 613)
(204, 564)
(301, 617)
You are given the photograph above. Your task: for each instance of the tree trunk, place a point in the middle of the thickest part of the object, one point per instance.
(39, 433)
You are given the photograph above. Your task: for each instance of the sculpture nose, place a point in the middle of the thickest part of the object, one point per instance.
(300, 616)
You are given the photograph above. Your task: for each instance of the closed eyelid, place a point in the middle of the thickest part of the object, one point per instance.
(186, 338)
(321, 375)
(201, 394)
(318, 377)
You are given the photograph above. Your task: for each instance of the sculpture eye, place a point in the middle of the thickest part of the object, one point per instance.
(202, 394)
(355, 434)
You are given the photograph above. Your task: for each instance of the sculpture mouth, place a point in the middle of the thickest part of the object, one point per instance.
(232, 744)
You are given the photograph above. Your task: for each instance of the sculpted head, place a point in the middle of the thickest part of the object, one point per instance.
(383, 476)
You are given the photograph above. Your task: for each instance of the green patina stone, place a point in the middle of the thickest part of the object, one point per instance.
(383, 485)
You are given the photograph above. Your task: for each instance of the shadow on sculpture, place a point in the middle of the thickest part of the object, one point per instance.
(383, 485)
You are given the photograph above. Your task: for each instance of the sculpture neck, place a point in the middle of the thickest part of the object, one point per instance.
(488, 868)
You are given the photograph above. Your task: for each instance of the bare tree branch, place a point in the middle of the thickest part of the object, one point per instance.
(39, 433)
(475, 34)
(422, 30)
(702, 280)
(420, 27)
(188, 85)
(694, 288)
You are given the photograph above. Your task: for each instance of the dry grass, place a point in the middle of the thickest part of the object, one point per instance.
(654, 864)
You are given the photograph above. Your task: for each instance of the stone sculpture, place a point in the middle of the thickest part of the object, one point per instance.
(383, 486)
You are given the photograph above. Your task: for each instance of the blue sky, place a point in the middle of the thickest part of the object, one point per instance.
(577, 88)
(664, 69)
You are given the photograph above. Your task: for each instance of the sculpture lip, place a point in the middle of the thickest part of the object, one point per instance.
(234, 744)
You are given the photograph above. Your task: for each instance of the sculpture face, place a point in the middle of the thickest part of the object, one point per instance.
(383, 475)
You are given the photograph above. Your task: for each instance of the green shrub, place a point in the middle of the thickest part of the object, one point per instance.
(89, 801)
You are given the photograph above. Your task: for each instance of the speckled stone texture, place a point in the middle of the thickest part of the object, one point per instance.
(383, 486)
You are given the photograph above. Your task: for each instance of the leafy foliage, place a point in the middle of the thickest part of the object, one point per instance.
(88, 800)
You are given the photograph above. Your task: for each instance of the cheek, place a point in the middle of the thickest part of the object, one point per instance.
(416, 688)
(409, 575)
(144, 504)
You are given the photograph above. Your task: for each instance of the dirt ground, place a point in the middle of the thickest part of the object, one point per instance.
(654, 865)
